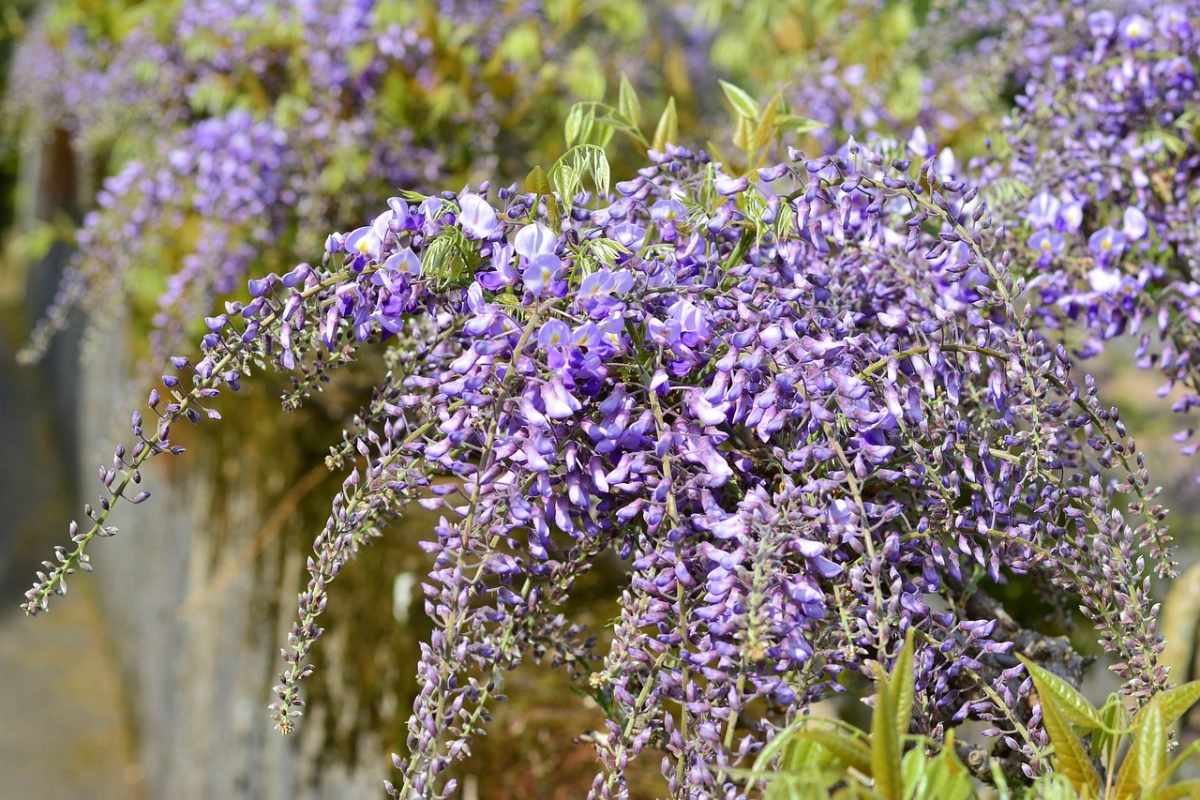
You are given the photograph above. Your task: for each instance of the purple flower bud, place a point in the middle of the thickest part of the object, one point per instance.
(727, 186)
(774, 173)
(259, 286)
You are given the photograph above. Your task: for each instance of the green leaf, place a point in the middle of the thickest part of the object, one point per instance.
(1070, 757)
(885, 744)
(628, 104)
(574, 124)
(766, 125)
(412, 196)
(781, 741)
(606, 251)
(957, 783)
(601, 173)
(802, 755)
(667, 129)
(603, 136)
(36, 240)
(580, 162)
(1116, 724)
(1189, 789)
(566, 181)
(584, 74)
(332, 178)
(743, 133)
(1167, 706)
(1000, 782)
(902, 681)
(796, 124)
(1172, 703)
(941, 777)
(537, 182)
(915, 772)
(522, 45)
(745, 105)
(812, 785)
(1151, 749)
(1008, 190)
(1053, 786)
(1070, 702)
(847, 750)
(1126, 786)
(360, 57)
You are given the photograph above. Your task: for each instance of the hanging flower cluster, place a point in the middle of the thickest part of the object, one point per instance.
(811, 408)
(798, 406)
(1096, 175)
(237, 125)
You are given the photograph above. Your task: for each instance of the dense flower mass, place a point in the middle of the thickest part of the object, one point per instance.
(799, 407)
(237, 125)
(1096, 175)
(811, 407)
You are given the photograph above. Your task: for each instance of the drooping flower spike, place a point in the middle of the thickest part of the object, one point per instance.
(792, 446)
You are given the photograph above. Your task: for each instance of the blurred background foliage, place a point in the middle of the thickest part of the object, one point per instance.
(430, 94)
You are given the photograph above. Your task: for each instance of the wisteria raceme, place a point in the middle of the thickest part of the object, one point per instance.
(236, 124)
(797, 403)
(1096, 175)
(94, 88)
(237, 186)
(983, 49)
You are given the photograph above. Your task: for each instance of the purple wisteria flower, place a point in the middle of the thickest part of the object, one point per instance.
(365, 245)
(1102, 24)
(1135, 29)
(1043, 210)
(1106, 245)
(534, 240)
(793, 447)
(544, 276)
(1134, 226)
(808, 417)
(1070, 217)
(1172, 20)
(478, 219)
(1047, 244)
